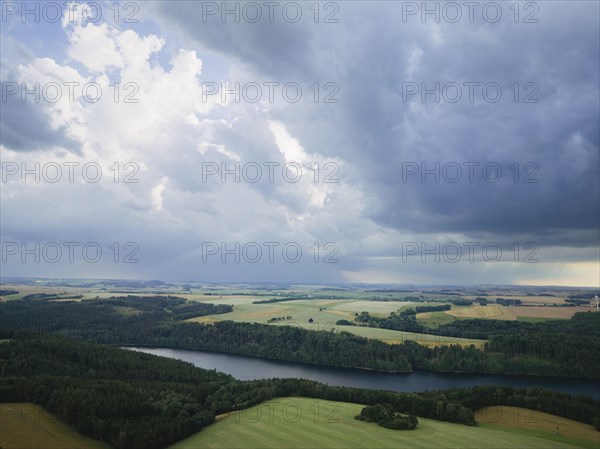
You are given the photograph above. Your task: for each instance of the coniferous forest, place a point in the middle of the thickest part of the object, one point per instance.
(138, 401)
(61, 355)
(514, 347)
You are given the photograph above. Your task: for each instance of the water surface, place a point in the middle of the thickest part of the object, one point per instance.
(252, 368)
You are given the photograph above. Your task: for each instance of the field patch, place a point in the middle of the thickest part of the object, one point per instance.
(434, 319)
(548, 312)
(492, 311)
(224, 299)
(396, 337)
(373, 307)
(29, 426)
(320, 316)
(555, 427)
(313, 423)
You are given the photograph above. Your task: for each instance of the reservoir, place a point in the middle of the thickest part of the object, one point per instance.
(252, 368)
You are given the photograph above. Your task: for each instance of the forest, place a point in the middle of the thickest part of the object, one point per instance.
(134, 400)
(561, 347)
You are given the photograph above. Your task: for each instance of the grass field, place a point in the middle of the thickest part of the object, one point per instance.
(435, 319)
(532, 422)
(324, 315)
(312, 423)
(493, 311)
(29, 426)
(383, 308)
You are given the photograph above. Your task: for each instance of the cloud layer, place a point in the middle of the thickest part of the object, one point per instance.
(361, 168)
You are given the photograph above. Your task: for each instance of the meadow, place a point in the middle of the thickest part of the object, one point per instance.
(295, 422)
(536, 423)
(322, 315)
(321, 307)
(29, 426)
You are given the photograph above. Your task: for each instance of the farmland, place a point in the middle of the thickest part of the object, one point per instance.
(323, 315)
(295, 422)
(533, 422)
(383, 308)
(493, 311)
(321, 307)
(26, 426)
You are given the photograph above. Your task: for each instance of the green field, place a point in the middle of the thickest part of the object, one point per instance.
(435, 319)
(29, 426)
(324, 315)
(312, 423)
(382, 308)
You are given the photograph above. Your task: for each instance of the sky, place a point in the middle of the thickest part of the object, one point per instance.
(305, 142)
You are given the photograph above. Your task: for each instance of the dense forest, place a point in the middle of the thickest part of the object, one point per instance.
(561, 347)
(134, 400)
(386, 416)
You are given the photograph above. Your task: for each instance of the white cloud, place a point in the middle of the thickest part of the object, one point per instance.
(94, 46)
(172, 130)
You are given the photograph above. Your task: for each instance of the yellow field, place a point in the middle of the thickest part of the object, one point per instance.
(29, 426)
(494, 311)
(544, 423)
(373, 307)
(548, 312)
(539, 299)
(223, 299)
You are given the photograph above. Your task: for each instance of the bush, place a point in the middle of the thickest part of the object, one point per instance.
(344, 323)
(385, 416)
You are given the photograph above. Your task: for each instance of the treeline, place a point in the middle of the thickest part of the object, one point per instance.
(575, 356)
(440, 308)
(134, 400)
(462, 302)
(269, 301)
(583, 296)
(561, 347)
(126, 399)
(508, 302)
(50, 296)
(577, 302)
(405, 321)
(582, 323)
(6, 292)
(91, 318)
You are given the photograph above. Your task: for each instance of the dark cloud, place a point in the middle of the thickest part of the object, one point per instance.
(373, 129)
(24, 126)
